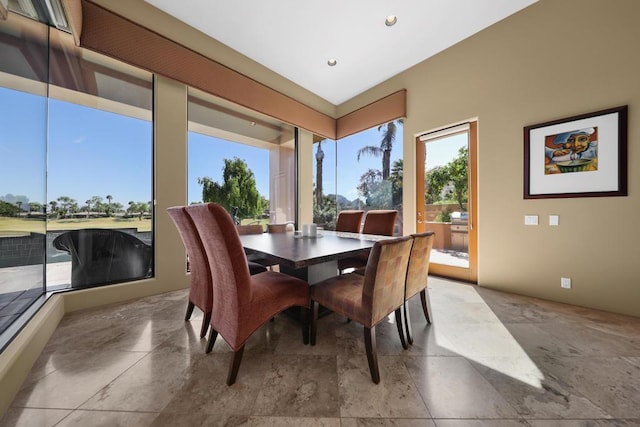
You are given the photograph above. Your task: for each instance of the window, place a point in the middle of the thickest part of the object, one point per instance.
(241, 159)
(362, 171)
(99, 175)
(76, 155)
(325, 200)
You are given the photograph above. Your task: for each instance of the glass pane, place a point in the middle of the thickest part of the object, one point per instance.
(446, 198)
(23, 107)
(241, 159)
(105, 191)
(369, 170)
(99, 169)
(324, 184)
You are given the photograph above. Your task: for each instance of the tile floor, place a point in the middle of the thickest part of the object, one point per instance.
(488, 359)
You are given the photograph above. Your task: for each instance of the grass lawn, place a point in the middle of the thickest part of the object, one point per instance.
(19, 226)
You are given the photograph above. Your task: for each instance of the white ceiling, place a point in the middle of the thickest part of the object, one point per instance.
(295, 38)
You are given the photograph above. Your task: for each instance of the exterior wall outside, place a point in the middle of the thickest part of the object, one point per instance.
(21, 250)
(522, 71)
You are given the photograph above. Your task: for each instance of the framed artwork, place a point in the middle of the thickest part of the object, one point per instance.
(580, 156)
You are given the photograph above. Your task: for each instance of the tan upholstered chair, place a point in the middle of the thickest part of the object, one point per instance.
(349, 221)
(370, 298)
(241, 302)
(378, 222)
(200, 291)
(417, 274)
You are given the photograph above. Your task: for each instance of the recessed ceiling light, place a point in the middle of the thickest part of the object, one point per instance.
(391, 20)
(332, 62)
(252, 123)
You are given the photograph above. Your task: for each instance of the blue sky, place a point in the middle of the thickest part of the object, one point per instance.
(90, 152)
(206, 158)
(96, 153)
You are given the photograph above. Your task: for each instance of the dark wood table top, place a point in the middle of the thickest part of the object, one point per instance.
(298, 252)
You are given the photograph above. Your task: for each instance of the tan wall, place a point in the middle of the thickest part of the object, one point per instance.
(554, 59)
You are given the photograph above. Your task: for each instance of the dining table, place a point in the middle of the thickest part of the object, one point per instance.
(310, 258)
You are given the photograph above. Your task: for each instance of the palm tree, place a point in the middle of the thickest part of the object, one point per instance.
(88, 202)
(54, 207)
(319, 159)
(386, 145)
(109, 198)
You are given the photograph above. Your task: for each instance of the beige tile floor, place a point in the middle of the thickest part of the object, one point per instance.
(488, 359)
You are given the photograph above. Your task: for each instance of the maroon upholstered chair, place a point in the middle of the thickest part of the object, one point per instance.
(379, 222)
(241, 302)
(370, 298)
(250, 229)
(200, 291)
(276, 228)
(417, 274)
(349, 221)
(256, 265)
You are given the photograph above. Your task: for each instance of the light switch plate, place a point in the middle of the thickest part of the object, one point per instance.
(554, 220)
(531, 220)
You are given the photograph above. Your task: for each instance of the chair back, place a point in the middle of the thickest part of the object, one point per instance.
(250, 229)
(349, 221)
(384, 277)
(276, 228)
(229, 269)
(200, 291)
(418, 270)
(380, 222)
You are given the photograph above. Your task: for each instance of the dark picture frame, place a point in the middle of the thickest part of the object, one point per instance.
(579, 156)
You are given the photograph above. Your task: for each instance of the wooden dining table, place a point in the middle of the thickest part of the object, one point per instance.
(310, 258)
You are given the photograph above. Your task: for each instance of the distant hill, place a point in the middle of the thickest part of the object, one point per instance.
(345, 203)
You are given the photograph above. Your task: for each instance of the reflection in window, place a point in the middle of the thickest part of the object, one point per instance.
(362, 171)
(99, 182)
(242, 160)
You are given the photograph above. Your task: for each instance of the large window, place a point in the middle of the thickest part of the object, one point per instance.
(241, 159)
(76, 167)
(362, 171)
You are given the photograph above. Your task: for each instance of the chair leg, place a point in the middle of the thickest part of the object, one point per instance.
(407, 322)
(314, 321)
(372, 356)
(235, 366)
(400, 325)
(212, 339)
(305, 312)
(205, 324)
(190, 307)
(423, 298)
